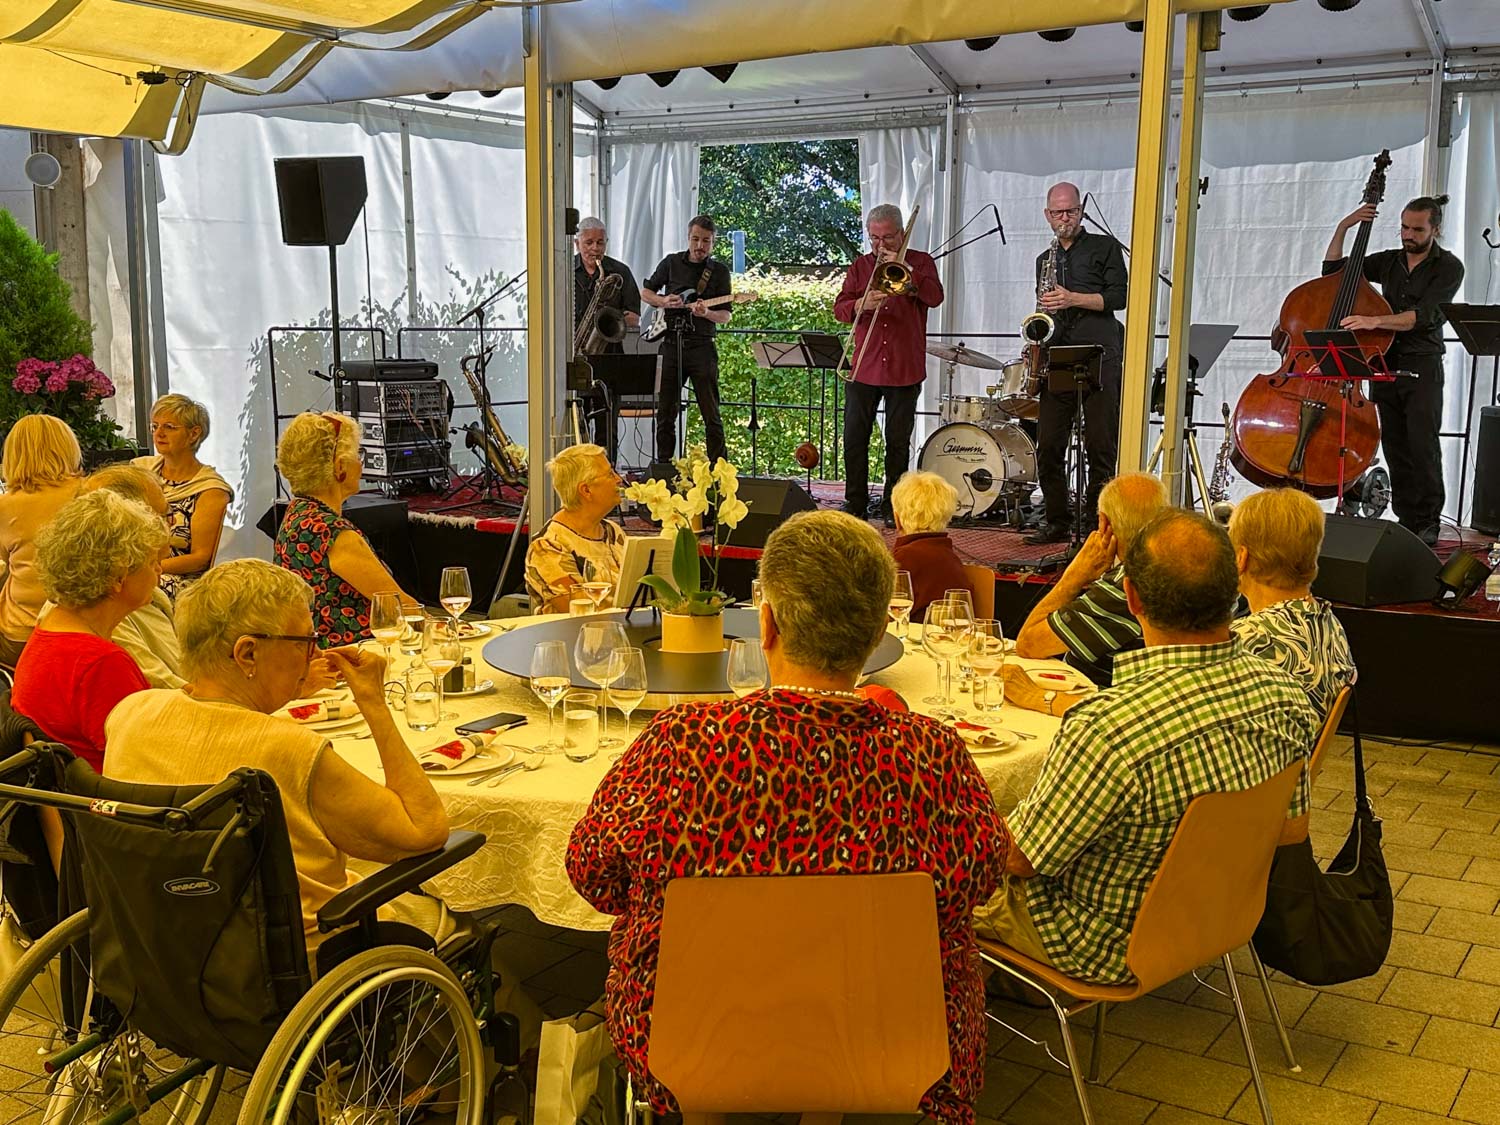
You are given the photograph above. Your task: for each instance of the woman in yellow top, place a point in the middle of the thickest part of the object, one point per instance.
(197, 496)
(42, 469)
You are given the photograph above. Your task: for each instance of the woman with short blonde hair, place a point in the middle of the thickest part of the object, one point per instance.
(1277, 535)
(42, 465)
(321, 459)
(197, 496)
(922, 505)
(579, 536)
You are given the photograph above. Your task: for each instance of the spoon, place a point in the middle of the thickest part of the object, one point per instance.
(527, 764)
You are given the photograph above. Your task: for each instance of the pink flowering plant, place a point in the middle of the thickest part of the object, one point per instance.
(70, 389)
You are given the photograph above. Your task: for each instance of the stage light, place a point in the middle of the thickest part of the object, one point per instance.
(606, 83)
(1058, 35)
(1249, 12)
(722, 73)
(489, 93)
(1136, 26)
(1337, 5)
(1462, 575)
(663, 78)
(984, 43)
(439, 95)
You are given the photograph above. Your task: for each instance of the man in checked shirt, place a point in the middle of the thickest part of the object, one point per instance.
(1191, 713)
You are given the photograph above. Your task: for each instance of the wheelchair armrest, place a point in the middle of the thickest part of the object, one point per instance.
(374, 891)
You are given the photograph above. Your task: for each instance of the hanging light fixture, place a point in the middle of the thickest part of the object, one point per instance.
(1248, 12)
(1058, 35)
(489, 93)
(723, 72)
(983, 43)
(1337, 5)
(438, 95)
(607, 83)
(1136, 26)
(663, 78)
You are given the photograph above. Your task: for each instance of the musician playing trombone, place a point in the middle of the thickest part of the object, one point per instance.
(590, 267)
(890, 362)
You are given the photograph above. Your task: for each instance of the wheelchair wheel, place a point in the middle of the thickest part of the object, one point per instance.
(385, 1038)
(104, 1076)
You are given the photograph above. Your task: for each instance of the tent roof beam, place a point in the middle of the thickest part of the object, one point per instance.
(1432, 29)
(925, 56)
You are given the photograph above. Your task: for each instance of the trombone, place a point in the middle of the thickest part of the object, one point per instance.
(893, 278)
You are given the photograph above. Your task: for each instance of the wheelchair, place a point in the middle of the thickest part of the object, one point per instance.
(181, 959)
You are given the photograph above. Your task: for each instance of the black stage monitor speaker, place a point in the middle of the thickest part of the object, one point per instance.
(1485, 514)
(771, 503)
(320, 197)
(1374, 562)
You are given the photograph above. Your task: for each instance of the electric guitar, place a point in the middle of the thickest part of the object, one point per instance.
(657, 325)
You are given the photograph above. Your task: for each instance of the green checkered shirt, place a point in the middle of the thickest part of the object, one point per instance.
(1180, 721)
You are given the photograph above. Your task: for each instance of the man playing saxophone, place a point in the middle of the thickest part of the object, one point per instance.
(890, 335)
(1090, 285)
(590, 267)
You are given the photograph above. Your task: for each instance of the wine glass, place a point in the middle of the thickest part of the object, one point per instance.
(627, 684)
(942, 637)
(386, 622)
(596, 583)
(550, 680)
(442, 651)
(747, 666)
(455, 592)
(962, 601)
(592, 652)
(986, 655)
(901, 603)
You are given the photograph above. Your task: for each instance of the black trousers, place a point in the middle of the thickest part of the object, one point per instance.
(861, 400)
(1101, 438)
(1411, 413)
(700, 363)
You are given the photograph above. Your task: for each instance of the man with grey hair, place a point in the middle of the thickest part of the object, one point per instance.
(1084, 614)
(890, 335)
(1192, 714)
(590, 266)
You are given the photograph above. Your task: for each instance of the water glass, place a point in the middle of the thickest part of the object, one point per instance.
(989, 693)
(747, 666)
(580, 606)
(424, 700)
(901, 604)
(986, 655)
(411, 636)
(755, 593)
(580, 725)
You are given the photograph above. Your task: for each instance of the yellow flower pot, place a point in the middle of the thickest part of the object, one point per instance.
(686, 632)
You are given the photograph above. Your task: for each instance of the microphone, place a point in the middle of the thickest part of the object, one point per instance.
(980, 480)
(999, 226)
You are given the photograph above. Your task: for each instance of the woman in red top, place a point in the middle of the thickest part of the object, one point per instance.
(99, 560)
(807, 778)
(923, 505)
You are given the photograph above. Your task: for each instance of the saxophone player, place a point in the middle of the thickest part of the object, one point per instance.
(1091, 283)
(590, 266)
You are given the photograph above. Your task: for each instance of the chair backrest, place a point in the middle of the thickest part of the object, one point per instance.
(982, 579)
(1210, 892)
(1326, 735)
(788, 994)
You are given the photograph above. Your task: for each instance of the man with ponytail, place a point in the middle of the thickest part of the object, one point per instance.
(1416, 280)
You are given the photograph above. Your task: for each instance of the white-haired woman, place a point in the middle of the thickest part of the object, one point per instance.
(197, 496)
(809, 777)
(100, 560)
(923, 504)
(589, 489)
(42, 466)
(320, 457)
(246, 631)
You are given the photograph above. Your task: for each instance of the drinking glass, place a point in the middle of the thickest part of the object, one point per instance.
(424, 703)
(627, 685)
(962, 601)
(755, 593)
(455, 592)
(941, 638)
(901, 603)
(386, 622)
(442, 651)
(581, 725)
(411, 635)
(747, 666)
(592, 652)
(595, 583)
(549, 680)
(986, 655)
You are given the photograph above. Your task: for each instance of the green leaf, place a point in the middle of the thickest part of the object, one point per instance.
(667, 595)
(685, 564)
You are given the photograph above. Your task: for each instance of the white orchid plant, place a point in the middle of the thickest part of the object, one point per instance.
(699, 488)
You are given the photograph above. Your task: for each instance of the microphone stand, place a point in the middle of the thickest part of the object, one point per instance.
(997, 229)
(1103, 228)
(490, 490)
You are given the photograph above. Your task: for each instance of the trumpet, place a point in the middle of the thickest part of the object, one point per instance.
(494, 442)
(600, 324)
(1039, 327)
(893, 278)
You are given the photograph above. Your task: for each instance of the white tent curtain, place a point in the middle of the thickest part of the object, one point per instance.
(109, 271)
(653, 192)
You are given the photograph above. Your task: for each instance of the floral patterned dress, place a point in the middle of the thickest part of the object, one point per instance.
(341, 614)
(785, 783)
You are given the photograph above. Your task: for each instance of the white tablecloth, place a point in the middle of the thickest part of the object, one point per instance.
(528, 816)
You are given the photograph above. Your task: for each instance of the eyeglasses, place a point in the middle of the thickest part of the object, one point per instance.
(1063, 212)
(310, 640)
(164, 427)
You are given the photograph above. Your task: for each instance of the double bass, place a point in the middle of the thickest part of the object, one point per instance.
(1314, 434)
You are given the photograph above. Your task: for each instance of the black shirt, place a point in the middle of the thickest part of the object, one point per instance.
(627, 300)
(1093, 264)
(677, 273)
(1434, 282)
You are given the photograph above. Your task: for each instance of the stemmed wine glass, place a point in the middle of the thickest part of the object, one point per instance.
(593, 653)
(627, 684)
(549, 680)
(987, 658)
(942, 636)
(901, 603)
(747, 666)
(962, 600)
(386, 622)
(596, 583)
(442, 652)
(455, 592)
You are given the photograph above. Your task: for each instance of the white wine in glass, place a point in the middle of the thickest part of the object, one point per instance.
(593, 652)
(627, 685)
(443, 652)
(385, 622)
(901, 604)
(455, 594)
(550, 682)
(746, 672)
(596, 583)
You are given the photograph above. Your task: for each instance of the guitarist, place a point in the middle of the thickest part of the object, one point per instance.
(692, 271)
(1414, 280)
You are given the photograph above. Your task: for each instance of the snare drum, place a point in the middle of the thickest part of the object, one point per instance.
(982, 463)
(977, 410)
(1011, 390)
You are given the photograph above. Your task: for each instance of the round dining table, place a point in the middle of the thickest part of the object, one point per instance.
(527, 815)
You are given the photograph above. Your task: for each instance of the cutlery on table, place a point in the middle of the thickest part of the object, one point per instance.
(525, 765)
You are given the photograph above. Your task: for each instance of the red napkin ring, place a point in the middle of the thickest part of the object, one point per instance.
(306, 711)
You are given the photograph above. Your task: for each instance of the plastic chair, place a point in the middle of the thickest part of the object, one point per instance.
(1204, 902)
(815, 994)
(982, 579)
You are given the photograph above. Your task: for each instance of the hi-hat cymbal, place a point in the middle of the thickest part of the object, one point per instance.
(968, 357)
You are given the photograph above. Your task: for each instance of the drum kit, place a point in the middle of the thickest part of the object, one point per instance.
(981, 449)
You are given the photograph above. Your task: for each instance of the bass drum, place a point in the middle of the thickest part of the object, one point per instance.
(981, 463)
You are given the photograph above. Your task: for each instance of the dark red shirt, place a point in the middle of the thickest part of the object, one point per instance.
(854, 788)
(934, 566)
(895, 356)
(68, 683)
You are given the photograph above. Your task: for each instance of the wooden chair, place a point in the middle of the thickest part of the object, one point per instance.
(1204, 902)
(814, 994)
(982, 578)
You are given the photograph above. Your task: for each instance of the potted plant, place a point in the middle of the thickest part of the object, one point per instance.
(692, 606)
(70, 389)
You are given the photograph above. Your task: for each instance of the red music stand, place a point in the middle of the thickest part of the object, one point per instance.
(1342, 360)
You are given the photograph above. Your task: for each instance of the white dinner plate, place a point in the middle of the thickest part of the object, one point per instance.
(330, 726)
(1059, 679)
(490, 757)
(470, 630)
(989, 740)
(478, 689)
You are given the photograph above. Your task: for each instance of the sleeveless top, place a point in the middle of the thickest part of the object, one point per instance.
(341, 614)
(182, 501)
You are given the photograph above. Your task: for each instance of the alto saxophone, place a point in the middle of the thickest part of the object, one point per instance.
(1039, 327)
(1219, 506)
(494, 441)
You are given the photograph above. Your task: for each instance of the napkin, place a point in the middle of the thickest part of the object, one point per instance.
(324, 710)
(454, 753)
(888, 698)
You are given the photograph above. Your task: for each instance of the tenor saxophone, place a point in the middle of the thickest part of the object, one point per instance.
(494, 441)
(1219, 506)
(600, 324)
(1040, 326)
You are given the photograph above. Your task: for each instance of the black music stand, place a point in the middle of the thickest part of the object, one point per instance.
(1478, 329)
(633, 376)
(1076, 370)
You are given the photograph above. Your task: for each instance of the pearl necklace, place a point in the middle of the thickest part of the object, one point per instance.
(854, 695)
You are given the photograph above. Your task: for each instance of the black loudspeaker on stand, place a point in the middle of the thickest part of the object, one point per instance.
(1368, 562)
(1485, 515)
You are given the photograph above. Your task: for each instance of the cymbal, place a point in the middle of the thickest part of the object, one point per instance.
(968, 357)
